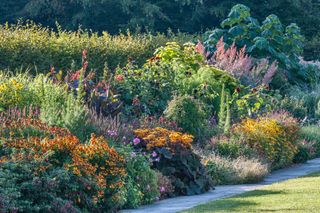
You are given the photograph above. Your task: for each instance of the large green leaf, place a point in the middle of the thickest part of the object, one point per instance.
(236, 30)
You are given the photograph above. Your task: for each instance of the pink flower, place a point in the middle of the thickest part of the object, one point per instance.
(85, 65)
(119, 77)
(154, 154)
(162, 189)
(84, 54)
(136, 141)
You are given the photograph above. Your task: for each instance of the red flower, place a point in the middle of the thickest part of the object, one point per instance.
(119, 77)
(136, 101)
(85, 65)
(84, 54)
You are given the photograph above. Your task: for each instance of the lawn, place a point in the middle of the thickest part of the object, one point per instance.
(297, 195)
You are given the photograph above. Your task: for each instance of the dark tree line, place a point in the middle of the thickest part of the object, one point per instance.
(158, 15)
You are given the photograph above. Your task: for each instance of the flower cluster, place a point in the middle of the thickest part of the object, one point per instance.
(11, 93)
(271, 138)
(160, 137)
(98, 160)
(29, 139)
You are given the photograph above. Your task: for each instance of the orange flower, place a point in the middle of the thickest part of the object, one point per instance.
(95, 160)
(161, 137)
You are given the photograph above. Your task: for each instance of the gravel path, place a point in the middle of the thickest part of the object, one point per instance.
(186, 202)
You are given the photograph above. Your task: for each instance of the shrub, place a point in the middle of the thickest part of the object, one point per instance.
(311, 135)
(142, 181)
(187, 113)
(302, 101)
(171, 154)
(206, 85)
(274, 137)
(302, 154)
(235, 171)
(148, 89)
(14, 91)
(254, 102)
(60, 107)
(173, 70)
(97, 169)
(51, 191)
(230, 148)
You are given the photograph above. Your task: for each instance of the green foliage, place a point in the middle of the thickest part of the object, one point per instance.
(302, 102)
(27, 45)
(206, 85)
(312, 135)
(187, 16)
(224, 112)
(23, 191)
(148, 89)
(231, 148)
(302, 155)
(58, 106)
(256, 101)
(187, 113)
(61, 108)
(142, 186)
(269, 40)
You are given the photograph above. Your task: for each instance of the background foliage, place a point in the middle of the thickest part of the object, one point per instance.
(185, 15)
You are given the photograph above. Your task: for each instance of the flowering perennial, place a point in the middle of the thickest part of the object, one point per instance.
(272, 138)
(95, 161)
(160, 137)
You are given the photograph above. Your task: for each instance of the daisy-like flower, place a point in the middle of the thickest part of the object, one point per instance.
(136, 141)
(154, 154)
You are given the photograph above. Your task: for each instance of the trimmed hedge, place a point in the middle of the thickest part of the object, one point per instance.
(38, 48)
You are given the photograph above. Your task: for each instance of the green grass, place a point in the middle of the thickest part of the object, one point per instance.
(296, 195)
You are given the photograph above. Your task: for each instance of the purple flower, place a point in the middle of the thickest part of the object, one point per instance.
(154, 154)
(112, 133)
(162, 189)
(133, 154)
(136, 141)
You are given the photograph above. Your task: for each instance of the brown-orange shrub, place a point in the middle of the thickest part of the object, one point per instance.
(28, 139)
